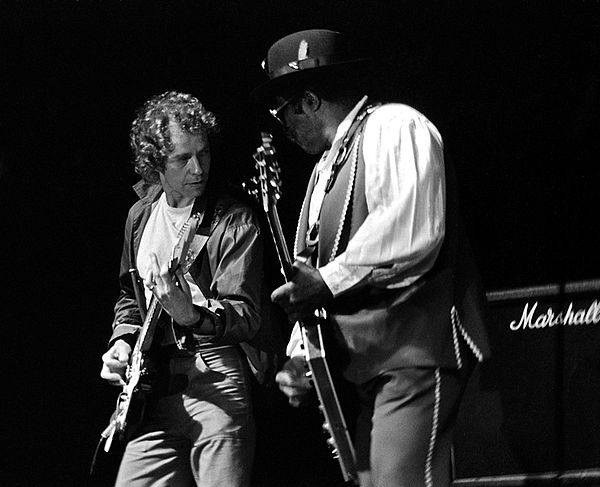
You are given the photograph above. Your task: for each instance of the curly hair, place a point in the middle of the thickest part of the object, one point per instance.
(150, 138)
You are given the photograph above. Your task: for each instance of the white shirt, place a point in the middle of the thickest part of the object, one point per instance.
(160, 235)
(405, 192)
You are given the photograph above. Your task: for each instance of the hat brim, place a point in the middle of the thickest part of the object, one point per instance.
(266, 91)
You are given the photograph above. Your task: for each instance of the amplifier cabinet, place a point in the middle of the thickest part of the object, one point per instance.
(531, 414)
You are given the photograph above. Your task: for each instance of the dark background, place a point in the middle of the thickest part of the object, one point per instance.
(513, 87)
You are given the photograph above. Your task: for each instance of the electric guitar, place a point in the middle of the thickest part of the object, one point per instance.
(266, 188)
(139, 374)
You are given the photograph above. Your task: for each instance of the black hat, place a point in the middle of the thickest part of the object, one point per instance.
(302, 56)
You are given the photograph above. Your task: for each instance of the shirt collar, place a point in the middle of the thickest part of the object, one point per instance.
(344, 126)
(341, 131)
(144, 189)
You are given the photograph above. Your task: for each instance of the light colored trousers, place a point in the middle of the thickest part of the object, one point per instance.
(406, 425)
(203, 435)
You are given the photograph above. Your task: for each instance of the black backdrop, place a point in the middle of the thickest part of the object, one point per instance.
(513, 87)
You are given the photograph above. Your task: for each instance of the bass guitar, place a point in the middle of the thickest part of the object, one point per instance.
(139, 373)
(266, 188)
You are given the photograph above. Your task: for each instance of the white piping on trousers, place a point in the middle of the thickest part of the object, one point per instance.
(455, 318)
(457, 323)
(434, 428)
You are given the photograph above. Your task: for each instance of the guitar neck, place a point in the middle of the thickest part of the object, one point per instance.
(266, 187)
(146, 335)
(280, 243)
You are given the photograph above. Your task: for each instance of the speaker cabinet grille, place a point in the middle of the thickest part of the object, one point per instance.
(533, 410)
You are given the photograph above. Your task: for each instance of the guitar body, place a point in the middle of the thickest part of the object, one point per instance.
(129, 412)
(266, 188)
(131, 402)
(335, 423)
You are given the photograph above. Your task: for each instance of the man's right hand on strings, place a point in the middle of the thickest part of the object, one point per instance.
(114, 363)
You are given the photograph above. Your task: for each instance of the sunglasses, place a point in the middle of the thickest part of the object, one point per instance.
(275, 111)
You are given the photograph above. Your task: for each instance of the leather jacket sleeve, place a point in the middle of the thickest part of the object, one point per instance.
(127, 320)
(229, 272)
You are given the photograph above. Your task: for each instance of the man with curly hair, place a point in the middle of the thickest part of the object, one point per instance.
(197, 427)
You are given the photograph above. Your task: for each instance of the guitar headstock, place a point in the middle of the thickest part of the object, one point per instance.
(180, 255)
(266, 187)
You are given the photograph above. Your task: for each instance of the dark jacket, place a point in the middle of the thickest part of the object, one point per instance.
(228, 271)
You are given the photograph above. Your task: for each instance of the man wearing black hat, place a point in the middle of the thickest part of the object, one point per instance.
(392, 265)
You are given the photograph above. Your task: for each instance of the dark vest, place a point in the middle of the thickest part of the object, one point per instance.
(420, 325)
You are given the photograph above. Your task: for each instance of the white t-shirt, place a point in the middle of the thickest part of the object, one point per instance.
(160, 235)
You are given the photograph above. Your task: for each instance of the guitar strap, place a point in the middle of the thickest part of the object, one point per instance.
(213, 211)
(344, 150)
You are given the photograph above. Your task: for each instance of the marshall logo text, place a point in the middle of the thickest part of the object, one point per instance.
(532, 321)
